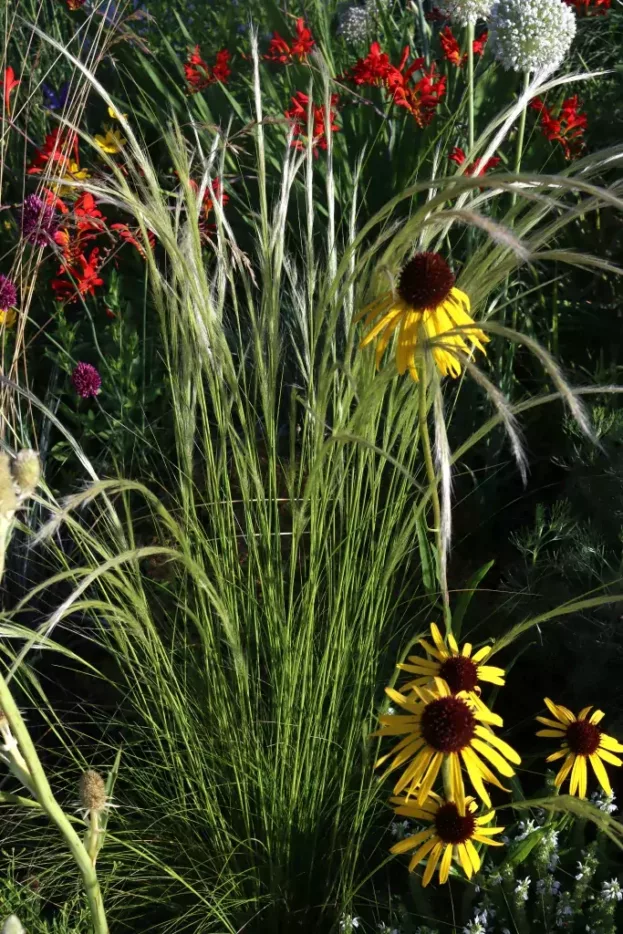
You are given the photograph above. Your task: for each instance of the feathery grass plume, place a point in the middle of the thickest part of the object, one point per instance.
(26, 471)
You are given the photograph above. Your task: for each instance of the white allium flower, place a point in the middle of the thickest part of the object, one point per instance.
(522, 888)
(466, 11)
(611, 891)
(355, 24)
(530, 35)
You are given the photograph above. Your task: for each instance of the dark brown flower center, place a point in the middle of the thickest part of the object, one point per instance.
(583, 737)
(448, 724)
(459, 673)
(451, 827)
(425, 281)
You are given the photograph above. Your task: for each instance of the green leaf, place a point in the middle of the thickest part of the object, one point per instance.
(466, 596)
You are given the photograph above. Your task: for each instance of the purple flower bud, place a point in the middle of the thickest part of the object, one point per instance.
(86, 380)
(38, 221)
(8, 294)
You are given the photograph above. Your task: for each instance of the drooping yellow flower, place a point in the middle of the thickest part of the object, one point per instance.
(450, 836)
(8, 317)
(440, 726)
(112, 143)
(112, 113)
(461, 670)
(582, 740)
(426, 307)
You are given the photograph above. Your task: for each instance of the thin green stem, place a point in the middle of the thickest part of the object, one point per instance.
(522, 131)
(432, 484)
(470, 88)
(48, 802)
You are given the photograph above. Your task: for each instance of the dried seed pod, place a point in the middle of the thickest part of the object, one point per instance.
(92, 791)
(26, 469)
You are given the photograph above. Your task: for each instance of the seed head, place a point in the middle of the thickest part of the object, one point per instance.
(26, 470)
(12, 925)
(530, 35)
(92, 791)
(8, 495)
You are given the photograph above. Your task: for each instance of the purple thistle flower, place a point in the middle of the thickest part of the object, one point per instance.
(8, 294)
(38, 223)
(86, 380)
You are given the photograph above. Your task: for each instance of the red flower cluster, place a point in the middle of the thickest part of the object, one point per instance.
(374, 69)
(59, 147)
(206, 228)
(420, 98)
(474, 168)
(590, 7)
(79, 274)
(567, 128)
(199, 75)
(281, 51)
(131, 235)
(75, 4)
(298, 115)
(450, 48)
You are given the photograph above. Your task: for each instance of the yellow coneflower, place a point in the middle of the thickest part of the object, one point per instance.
(582, 740)
(112, 143)
(461, 670)
(441, 726)
(425, 306)
(450, 836)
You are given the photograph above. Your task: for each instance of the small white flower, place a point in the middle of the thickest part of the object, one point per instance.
(349, 924)
(400, 829)
(604, 802)
(611, 891)
(530, 35)
(466, 11)
(522, 888)
(526, 827)
(383, 928)
(478, 925)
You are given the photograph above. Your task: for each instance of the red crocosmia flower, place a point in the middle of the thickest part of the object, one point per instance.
(59, 147)
(80, 279)
(422, 98)
(374, 69)
(567, 128)
(134, 236)
(590, 7)
(9, 83)
(88, 215)
(474, 168)
(450, 48)
(200, 75)
(206, 228)
(279, 50)
(298, 115)
(480, 42)
(75, 4)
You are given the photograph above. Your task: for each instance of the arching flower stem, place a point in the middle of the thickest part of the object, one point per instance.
(522, 130)
(432, 484)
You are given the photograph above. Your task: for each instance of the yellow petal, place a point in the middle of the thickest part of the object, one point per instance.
(466, 651)
(465, 860)
(494, 758)
(558, 734)
(609, 742)
(410, 843)
(475, 777)
(482, 653)
(429, 779)
(491, 673)
(473, 855)
(575, 775)
(433, 859)
(600, 772)
(422, 852)
(500, 744)
(457, 787)
(556, 724)
(444, 869)
(608, 757)
(564, 771)
(597, 716)
(558, 754)
(561, 713)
